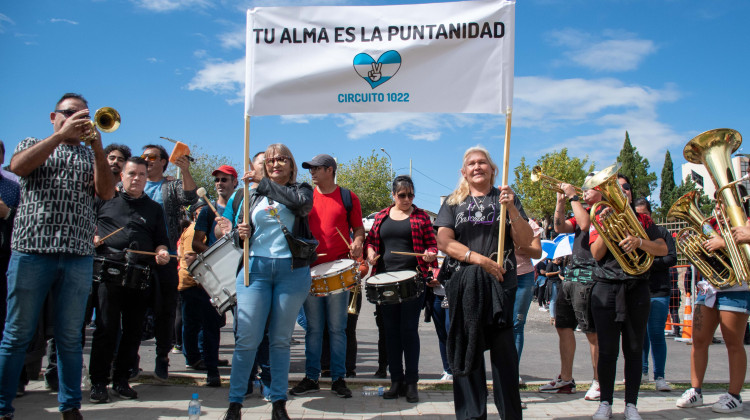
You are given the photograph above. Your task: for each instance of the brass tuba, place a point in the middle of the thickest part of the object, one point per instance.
(548, 182)
(715, 266)
(713, 149)
(107, 119)
(619, 223)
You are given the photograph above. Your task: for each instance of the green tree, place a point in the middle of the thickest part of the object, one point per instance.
(370, 178)
(635, 167)
(666, 192)
(539, 201)
(201, 169)
(687, 185)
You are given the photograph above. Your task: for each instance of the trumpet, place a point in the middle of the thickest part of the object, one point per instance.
(620, 223)
(107, 119)
(548, 182)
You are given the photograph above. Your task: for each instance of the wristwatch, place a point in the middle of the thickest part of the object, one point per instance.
(574, 198)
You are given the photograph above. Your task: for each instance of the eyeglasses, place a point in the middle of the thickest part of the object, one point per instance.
(150, 156)
(626, 187)
(222, 179)
(281, 160)
(66, 112)
(405, 195)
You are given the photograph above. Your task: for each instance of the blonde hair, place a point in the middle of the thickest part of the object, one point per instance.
(282, 150)
(462, 189)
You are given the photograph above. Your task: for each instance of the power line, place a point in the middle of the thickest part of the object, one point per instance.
(426, 176)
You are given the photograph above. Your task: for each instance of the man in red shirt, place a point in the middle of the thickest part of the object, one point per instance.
(330, 219)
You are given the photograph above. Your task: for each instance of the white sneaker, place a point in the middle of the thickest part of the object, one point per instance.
(690, 398)
(644, 378)
(593, 393)
(558, 386)
(446, 376)
(604, 412)
(661, 385)
(631, 413)
(727, 404)
(542, 309)
(521, 382)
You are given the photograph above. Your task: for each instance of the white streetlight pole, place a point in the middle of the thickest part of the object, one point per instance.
(389, 158)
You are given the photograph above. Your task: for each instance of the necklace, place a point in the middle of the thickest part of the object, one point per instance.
(480, 206)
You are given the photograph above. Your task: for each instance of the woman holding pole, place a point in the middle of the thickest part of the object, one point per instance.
(480, 290)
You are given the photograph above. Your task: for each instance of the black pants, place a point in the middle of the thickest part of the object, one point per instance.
(165, 305)
(401, 325)
(632, 330)
(382, 353)
(470, 391)
(118, 306)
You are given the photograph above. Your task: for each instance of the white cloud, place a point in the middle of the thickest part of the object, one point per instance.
(56, 20)
(222, 77)
(428, 136)
(3, 21)
(152, 60)
(611, 51)
(233, 40)
(170, 5)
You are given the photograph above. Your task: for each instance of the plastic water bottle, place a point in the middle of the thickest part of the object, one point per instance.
(194, 408)
(371, 391)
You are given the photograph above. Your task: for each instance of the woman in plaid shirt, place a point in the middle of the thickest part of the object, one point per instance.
(402, 227)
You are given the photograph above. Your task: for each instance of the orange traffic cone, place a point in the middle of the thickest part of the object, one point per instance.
(687, 329)
(668, 325)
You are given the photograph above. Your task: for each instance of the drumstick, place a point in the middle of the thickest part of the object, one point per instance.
(342, 237)
(202, 193)
(101, 241)
(413, 254)
(145, 252)
(322, 255)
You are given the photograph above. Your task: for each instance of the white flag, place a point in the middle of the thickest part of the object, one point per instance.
(436, 57)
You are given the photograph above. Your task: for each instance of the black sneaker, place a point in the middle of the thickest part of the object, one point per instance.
(199, 365)
(339, 388)
(305, 386)
(72, 414)
(161, 369)
(234, 412)
(213, 381)
(124, 391)
(381, 373)
(99, 394)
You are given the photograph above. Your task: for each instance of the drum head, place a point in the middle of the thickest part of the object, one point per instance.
(331, 268)
(392, 277)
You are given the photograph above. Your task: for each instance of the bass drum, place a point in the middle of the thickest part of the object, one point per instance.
(215, 269)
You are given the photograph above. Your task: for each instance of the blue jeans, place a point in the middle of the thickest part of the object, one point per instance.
(441, 319)
(320, 311)
(30, 278)
(552, 286)
(655, 336)
(524, 293)
(274, 295)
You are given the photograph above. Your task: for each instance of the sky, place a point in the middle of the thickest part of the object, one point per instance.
(585, 72)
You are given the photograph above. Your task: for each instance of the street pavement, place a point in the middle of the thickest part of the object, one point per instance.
(539, 363)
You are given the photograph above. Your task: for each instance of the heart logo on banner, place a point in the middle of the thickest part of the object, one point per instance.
(377, 72)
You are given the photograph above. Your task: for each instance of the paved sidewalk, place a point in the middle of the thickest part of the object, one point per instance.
(171, 402)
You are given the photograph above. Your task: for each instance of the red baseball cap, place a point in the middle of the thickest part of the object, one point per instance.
(225, 169)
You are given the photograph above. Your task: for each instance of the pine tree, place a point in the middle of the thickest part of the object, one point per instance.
(667, 195)
(635, 167)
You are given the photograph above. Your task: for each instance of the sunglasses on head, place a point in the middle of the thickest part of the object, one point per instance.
(405, 195)
(150, 156)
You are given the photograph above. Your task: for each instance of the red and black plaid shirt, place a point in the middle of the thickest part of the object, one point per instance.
(422, 235)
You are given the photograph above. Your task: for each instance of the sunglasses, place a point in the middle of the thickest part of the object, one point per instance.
(66, 112)
(150, 157)
(626, 187)
(281, 160)
(222, 179)
(403, 196)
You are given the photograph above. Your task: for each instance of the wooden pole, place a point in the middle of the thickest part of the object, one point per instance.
(245, 202)
(504, 181)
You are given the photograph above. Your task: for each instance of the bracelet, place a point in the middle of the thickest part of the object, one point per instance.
(641, 244)
(515, 218)
(466, 256)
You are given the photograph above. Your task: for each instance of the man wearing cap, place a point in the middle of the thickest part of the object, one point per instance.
(330, 213)
(202, 316)
(573, 300)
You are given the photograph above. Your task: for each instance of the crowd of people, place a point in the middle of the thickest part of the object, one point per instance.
(92, 232)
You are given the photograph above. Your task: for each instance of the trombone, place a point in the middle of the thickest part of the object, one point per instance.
(550, 183)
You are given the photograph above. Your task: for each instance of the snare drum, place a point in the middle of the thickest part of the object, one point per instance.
(333, 277)
(132, 276)
(394, 287)
(215, 269)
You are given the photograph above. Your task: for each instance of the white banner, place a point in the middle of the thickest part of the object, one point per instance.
(437, 57)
